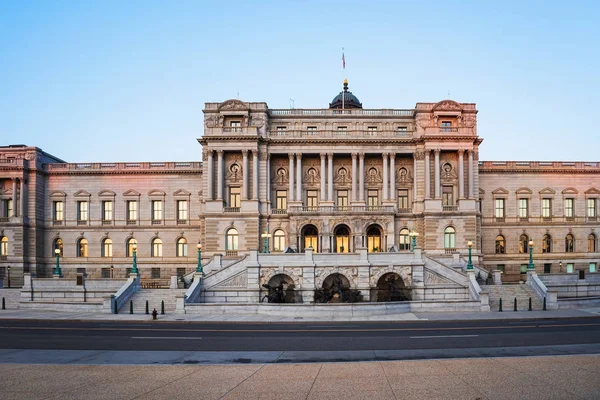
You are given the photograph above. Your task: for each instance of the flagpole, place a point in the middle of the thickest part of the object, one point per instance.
(343, 91)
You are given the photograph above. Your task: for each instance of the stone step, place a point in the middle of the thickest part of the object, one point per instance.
(154, 298)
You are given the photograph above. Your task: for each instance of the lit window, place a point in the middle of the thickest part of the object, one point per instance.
(235, 197)
(4, 246)
(372, 198)
(59, 211)
(342, 130)
(311, 130)
(342, 198)
(500, 245)
(232, 239)
(281, 130)
(130, 243)
(107, 210)
(107, 248)
(236, 126)
(569, 243)
(182, 247)
(446, 126)
(402, 130)
(82, 211)
(523, 244)
(449, 238)
(447, 196)
(182, 210)
(156, 248)
(547, 244)
(132, 210)
(312, 199)
(499, 208)
(278, 240)
(157, 210)
(281, 199)
(591, 207)
(546, 208)
(371, 130)
(569, 208)
(404, 241)
(82, 248)
(402, 198)
(523, 208)
(591, 243)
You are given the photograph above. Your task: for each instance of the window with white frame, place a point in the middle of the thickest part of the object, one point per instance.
(231, 239)
(342, 198)
(402, 198)
(591, 207)
(569, 208)
(157, 210)
(278, 240)
(82, 211)
(107, 248)
(132, 210)
(523, 208)
(281, 199)
(404, 240)
(182, 210)
(156, 248)
(372, 198)
(499, 208)
(107, 210)
(59, 214)
(447, 195)
(235, 197)
(312, 201)
(546, 208)
(182, 248)
(449, 238)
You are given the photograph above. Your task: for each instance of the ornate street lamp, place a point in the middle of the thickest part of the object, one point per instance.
(134, 268)
(470, 263)
(413, 239)
(266, 237)
(57, 272)
(531, 267)
(199, 267)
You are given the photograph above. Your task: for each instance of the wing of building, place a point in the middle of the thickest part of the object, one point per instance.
(335, 179)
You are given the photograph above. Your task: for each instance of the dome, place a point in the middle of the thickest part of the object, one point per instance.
(347, 98)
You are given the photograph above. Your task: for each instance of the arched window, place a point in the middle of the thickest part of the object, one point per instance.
(4, 246)
(58, 244)
(569, 243)
(374, 239)
(547, 244)
(449, 238)
(182, 247)
(500, 245)
(278, 240)
(231, 239)
(310, 237)
(156, 248)
(591, 243)
(342, 239)
(523, 244)
(107, 248)
(82, 248)
(404, 241)
(130, 243)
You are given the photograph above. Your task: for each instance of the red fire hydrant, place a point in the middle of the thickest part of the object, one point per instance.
(154, 314)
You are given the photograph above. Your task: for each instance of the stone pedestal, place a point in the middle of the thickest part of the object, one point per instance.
(497, 277)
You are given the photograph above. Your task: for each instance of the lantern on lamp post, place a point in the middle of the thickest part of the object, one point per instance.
(530, 266)
(470, 263)
(57, 272)
(199, 266)
(134, 268)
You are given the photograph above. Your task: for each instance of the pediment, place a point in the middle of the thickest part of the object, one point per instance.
(500, 191)
(233, 105)
(106, 193)
(156, 192)
(524, 190)
(131, 192)
(182, 192)
(592, 191)
(447, 105)
(58, 193)
(82, 193)
(570, 190)
(547, 191)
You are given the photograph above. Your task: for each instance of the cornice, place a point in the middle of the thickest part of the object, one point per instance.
(483, 170)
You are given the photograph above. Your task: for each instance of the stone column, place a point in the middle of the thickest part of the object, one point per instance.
(354, 176)
(386, 180)
(461, 175)
(323, 174)
(254, 174)
(219, 174)
(245, 173)
(414, 177)
(14, 198)
(22, 198)
(471, 194)
(361, 176)
(291, 177)
(330, 176)
(437, 173)
(211, 178)
(393, 177)
(299, 177)
(268, 175)
(427, 175)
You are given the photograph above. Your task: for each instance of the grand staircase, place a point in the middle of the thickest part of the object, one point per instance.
(154, 297)
(508, 293)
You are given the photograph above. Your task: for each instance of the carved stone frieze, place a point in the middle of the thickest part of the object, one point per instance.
(233, 105)
(351, 273)
(432, 278)
(405, 272)
(237, 281)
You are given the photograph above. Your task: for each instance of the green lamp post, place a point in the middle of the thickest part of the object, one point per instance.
(266, 237)
(199, 267)
(134, 268)
(57, 272)
(530, 266)
(470, 263)
(413, 236)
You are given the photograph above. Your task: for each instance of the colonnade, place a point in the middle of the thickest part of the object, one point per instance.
(221, 175)
(16, 211)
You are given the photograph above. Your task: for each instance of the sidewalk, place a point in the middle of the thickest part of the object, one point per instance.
(442, 316)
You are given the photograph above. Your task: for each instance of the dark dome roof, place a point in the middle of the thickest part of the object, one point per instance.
(349, 100)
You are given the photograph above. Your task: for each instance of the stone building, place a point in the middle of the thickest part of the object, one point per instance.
(336, 179)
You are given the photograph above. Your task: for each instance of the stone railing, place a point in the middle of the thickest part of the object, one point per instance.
(537, 165)
(353, 111)
(123, 166)
(476, 293)
(534, 282)
(340, 209)
(445, 130)
(341, 134)
(536, 220)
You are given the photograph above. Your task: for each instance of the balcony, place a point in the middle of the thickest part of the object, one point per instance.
(445, 130)
(81, 223)
(231, 209)
(231, 253)
(450, 208)
(340, 209)
(449, 250)
(131, 222)
(58, 222)
(156, 222)
(182, 222)
(107, 222)
(346, 134)
(279, 211)
(327, 111)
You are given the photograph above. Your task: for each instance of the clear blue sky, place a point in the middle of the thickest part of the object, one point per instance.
(127, 80)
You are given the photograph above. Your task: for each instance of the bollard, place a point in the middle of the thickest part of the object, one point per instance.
(544, 304)
(116, 308)
(130, 306)
(500, 307)
(162, 307)
(154, 314)
(3, 305)
(530, 309)
(147, 309)
(515, 304)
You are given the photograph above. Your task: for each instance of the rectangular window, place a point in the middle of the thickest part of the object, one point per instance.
(500, 267)
(342, 198)
(59, 211)
(499, 208)
(105, 273)
(235, 197)
(236, 126)
(591, 207)
(592, 267)
(155, 273)
(523, 208)
(311, 199)
(107, 210)
(281, 130)
(402, 198)
(157, 210)
(82, 211)
(8, 208)
(447, 196)
(132, 210)
(569, 268)
(372, 197)
(523, 268)
(371, 130)
(342, 130)
(546, 208)
(547, 268)
(281, 199)
(311, 130)
(569, 208)
(446, 126)
(182, 210)
(402, 130)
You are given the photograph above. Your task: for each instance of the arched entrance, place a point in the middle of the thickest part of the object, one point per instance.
(336, 289)
(281, 289)
(310, 238)
(342, 239)
(374, 239)
(390, 287)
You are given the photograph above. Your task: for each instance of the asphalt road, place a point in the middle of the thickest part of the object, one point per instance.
(313, 337)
